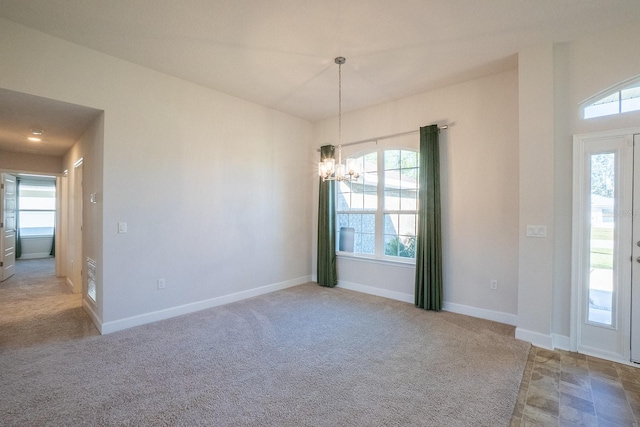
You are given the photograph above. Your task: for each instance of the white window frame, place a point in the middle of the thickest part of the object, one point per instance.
(627, 84)
(380, 211)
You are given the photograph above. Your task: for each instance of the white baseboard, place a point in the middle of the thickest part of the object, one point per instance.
(482, 313)
(562, 342)
(535, 338)
(70, 284)
(601, 354)
(89, 309)
(35, 256)
(496, 316)
(399, 296)
(142, 319)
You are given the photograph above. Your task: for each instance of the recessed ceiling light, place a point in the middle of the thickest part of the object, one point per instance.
(34, 139)
(37, 131)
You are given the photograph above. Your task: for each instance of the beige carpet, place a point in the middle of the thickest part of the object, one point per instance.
(305, 356)
(36, 307)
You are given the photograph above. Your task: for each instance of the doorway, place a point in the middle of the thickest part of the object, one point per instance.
(606, 245)
(28, 221)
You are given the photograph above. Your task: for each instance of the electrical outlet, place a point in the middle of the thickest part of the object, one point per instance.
(161, 284)
(494, 285)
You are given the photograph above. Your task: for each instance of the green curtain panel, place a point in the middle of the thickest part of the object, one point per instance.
(18, 240)
(327, 275)
(429, 245)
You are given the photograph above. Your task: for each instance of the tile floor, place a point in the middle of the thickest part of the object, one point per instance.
(560, 388)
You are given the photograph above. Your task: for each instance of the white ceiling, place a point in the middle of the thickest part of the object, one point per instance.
(62, 123)
(280, 53)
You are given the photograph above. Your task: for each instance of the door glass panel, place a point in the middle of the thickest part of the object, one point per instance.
(601, 268)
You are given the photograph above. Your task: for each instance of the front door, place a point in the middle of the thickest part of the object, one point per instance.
(606, 236)
(7, 226)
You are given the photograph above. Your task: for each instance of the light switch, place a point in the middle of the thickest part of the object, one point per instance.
(536, 231)
(122, 227)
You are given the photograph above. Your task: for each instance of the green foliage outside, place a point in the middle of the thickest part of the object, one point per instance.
(397, 247)
(602, 174)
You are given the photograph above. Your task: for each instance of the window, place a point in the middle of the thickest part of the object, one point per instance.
(37, 202)
(377, 214)
(620, 101)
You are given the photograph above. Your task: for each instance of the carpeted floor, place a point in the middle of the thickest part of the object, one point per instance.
(36, 307)
(304, 356)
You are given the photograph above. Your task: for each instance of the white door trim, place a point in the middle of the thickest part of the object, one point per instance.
(577, 256)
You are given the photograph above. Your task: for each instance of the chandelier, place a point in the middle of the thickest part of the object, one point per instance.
(328, 170)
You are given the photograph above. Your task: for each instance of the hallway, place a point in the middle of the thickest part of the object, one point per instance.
(37, 307)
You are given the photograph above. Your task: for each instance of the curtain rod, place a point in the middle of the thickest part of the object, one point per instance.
(395, 135)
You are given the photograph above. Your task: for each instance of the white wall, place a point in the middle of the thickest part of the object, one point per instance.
(210, 185)
(30, 163)
(536, 133)
(479, 155)
(83, 226)
(556, 80)
(584, 68)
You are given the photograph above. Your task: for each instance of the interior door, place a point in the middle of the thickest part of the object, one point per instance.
(8, 226)
(603, 201)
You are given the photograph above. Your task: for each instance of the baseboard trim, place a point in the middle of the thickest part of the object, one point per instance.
(35, 256)
(399, 296)
(562, 342)
(142, 319)
(92, 315)
(496, 316)
(70, 284)
(482, 313)
(535, 338)
(607, 355)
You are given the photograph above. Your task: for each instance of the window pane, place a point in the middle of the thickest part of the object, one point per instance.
(391, 226)
(409, 159)
(602, 238)
(370, 162)
(370, 181)
(371, 201)
(343, 201)
(407, 247)
(409, 178)
(392, 200)
(409, 200)
(630, 99)
(604, 107)
(392, 179)
(407, 225)
(392, 159)
(37, 223)
(369, 223)
(355, 221)
(630, 105)
(357, 201)
(391, 245)
(343, 220)
(368, 245)
(38, 203)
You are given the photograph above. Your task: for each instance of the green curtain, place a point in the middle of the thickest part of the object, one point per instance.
(18, 240)
(429, 245)
(327, 275)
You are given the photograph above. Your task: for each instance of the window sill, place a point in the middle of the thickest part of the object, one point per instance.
(372, 260)
(36, 236)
